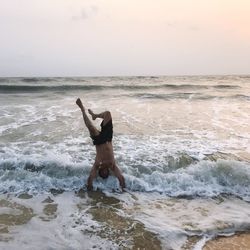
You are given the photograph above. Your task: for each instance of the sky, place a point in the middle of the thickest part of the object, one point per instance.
(124, 37)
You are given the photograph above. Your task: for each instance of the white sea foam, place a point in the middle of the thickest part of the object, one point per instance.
(173, 176)
(174, 220)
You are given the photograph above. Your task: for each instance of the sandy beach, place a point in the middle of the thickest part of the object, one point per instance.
(235, 242)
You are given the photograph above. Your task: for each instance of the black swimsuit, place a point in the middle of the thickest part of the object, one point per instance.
(105, 135)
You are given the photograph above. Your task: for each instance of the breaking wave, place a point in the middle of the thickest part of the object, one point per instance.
(178, 178)
(54, 86)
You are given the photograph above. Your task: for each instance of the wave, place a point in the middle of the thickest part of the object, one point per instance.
(243, 97)
(193, 178)
(194, 96)
(224, 86)
(84, 86)
(92, 87)
(41, 88)
(40, 79)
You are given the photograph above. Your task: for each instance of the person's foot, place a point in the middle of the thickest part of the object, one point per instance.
(79, 103)
(92, 114)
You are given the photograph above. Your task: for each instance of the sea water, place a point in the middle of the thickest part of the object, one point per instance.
(182, 143)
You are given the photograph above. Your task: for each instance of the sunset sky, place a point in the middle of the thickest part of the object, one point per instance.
(124, 37)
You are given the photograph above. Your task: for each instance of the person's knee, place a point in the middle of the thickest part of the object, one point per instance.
(107, 116)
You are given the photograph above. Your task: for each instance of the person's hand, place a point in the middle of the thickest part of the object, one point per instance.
(89, 187)
(122, 183)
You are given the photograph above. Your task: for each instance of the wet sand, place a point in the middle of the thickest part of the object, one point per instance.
(95, 220)
(235, 242)
(84, 220)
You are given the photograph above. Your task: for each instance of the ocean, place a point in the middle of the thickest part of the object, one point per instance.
(182, 143)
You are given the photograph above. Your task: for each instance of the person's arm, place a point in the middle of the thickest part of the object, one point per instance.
(118, 174)
(92, 176)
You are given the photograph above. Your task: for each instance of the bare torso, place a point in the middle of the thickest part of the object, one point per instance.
(105, 155)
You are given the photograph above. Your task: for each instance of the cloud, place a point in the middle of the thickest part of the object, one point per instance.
(86, 13)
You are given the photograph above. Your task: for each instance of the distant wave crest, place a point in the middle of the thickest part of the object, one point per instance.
(36, 87)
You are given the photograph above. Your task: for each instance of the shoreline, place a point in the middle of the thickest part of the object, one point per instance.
(95, 219)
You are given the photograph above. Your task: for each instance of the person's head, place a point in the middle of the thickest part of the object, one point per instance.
(104, 173)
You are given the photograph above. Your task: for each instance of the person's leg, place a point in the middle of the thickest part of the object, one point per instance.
(92, 129)
(106, 116)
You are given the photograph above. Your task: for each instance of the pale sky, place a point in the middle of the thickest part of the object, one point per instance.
(124, 37)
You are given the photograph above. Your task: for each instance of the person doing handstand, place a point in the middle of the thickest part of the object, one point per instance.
(104, 160)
